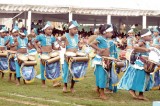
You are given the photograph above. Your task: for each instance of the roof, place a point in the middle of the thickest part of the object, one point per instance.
(88, 7)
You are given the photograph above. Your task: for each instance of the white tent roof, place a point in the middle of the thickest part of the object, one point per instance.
(89, 7)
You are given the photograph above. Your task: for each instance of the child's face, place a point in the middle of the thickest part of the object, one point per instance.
(3, 34)
(130, 34)
(48, 31)
(22, 36)
(33, 33)
(108, 34)
(156, 33)
(80, 44)
(147, 38)
(14, 34)
(74, 30)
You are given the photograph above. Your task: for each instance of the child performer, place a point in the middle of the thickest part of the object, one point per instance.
(71, 41)
(135, 79)
(101, 45)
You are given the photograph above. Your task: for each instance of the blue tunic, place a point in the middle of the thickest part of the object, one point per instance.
(156, 40)
(72, 44)
(130, 41)
(3, 41)
(45, 41)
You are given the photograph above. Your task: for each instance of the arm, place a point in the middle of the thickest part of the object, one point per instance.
(63, 38)
(139, 48)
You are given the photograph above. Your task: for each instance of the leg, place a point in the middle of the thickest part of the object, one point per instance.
(72, 86)
(65, 75)
(2, 75)
(10, 76)
(98, 90)
(56, 84)
(24, 81)
(133, 93)
(14, 77)
(42, 67)
(101, 80)
(43, 83)
(18, 81)
(18, 76)
(65, 88)
(141, 96)
(102, 95)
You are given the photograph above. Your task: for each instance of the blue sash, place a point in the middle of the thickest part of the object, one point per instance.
(52, 71)
(28, 73)
(12, 66)
(78, 70)
(4, 64)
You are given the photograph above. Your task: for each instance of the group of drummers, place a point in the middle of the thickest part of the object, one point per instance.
(136, 68)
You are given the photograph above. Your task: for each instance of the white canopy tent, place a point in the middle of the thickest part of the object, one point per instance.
(85, 11)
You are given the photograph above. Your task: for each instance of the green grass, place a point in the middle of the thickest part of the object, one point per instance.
(34, 94)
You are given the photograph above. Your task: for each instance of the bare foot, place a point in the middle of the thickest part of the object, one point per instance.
(72, 90)
(98, 91)
(103, 97)
(18, 84)
(57, 84)
(44, 86)
(9, 80)
(140, 97)
(108, 91)
(64, 89)
(133, 94)
(24, 81)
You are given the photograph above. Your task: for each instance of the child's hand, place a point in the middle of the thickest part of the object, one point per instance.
(39, 50)
(101, 51)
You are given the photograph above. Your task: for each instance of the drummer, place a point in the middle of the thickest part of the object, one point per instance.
(3, 43)
(156, 43)
(47, 41)
(156, 38)
(31, 39)
(113, 75)
(71, 42)
(101, 44)
(22, 44)
(131, 39)
(13, 47)
(135, 79)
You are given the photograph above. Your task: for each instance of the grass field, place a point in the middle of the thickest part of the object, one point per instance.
(34, 95)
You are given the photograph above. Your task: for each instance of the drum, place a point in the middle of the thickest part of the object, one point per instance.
(149, 66)
(69, 54)
(152, 60)
(107, 62)
(22, 58)
(30, 63)
(122, 55)
(81, 54)
(79, 59)
(131, 56)
(3, 54)
(54, 54)
(31, 58)
(52, 60)
(44, 57)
